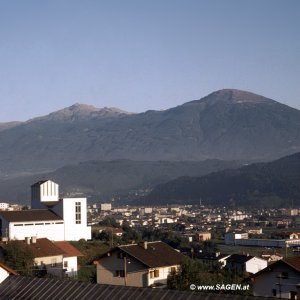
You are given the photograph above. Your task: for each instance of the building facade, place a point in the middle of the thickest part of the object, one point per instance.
(49, 217)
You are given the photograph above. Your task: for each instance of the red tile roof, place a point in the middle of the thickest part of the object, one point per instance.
(68, 249)
(41, 248)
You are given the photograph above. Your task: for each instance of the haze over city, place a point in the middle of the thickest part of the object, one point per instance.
(138, 55)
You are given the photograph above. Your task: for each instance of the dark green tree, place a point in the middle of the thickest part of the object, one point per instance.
(18, 256)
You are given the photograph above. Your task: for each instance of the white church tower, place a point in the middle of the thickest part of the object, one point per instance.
(44, 193)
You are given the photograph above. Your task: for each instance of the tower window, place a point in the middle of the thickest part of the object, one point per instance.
(78, 212)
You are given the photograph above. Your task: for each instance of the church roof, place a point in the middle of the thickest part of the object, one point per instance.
(30, 215)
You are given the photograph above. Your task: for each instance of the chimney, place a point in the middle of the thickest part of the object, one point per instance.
(33, 239)
(145, 245)
(4, 240)
(27, 240)
(298, 291)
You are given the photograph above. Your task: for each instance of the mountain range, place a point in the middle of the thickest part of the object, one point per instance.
(104, 180)
(271, 184)
(107, 152)
(227, 125)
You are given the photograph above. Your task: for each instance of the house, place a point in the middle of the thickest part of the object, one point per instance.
(203, 236)
(245, 263)
(55, 258)
(146, 264)
(70, 255)
(5, 271)
(214, 260)
(49, 217)
(279, 279)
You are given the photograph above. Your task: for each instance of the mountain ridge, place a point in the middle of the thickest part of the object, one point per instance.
(227, 124)
(269, 184)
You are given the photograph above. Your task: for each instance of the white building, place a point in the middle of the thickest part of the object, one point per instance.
(105, 206)
(50, 217)
(4, 206)
(232, 237)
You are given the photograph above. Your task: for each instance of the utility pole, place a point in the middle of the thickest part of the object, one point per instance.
(125, 271)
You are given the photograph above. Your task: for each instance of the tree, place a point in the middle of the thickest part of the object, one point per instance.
(194, 272)
(19, 257)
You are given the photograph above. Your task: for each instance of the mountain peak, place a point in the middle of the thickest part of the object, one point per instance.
(236, 96)
(80, 111)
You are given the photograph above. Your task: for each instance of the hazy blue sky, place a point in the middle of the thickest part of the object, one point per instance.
(140, 55)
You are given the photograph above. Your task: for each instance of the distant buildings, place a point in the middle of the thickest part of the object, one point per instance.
(105, 206)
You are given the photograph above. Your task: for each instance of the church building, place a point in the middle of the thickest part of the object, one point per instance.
(49, 217)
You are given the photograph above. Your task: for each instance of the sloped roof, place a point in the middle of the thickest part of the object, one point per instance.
(33, 215)
(239, 258)
(293, 262)
(68, 249)
(8, 269)
(18, 287)
(41, 248)
(157, 254)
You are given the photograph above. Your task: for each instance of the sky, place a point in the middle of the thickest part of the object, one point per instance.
(139, 55)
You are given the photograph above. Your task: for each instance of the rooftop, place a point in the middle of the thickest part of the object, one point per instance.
(18, 287)
(30, 215)
(157, 254)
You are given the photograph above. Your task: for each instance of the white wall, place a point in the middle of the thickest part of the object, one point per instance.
(71, 269)
(255, 264)
(50, 230)
(73, 231)
(163, 275)
(3, 274)
(45, 192)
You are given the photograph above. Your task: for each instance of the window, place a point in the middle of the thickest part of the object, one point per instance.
(65, 264)
(284, 275)
(274, 292)
(154, 273)
(121, 255)
(78, 212)
(120, 273)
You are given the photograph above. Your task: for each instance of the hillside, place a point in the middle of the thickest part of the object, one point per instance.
(263, 184)
(227, 125)
(101, 180)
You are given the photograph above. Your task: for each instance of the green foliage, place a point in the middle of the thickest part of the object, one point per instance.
(87, 273)
(18, 256)
(109, 222)
(194, 272)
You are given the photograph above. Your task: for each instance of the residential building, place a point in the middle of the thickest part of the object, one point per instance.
(245, 263)
(70, 255)
(105, 206)
(4, 206)
(55, 258)
(279, 280)
(147, 264)
(203, 236)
